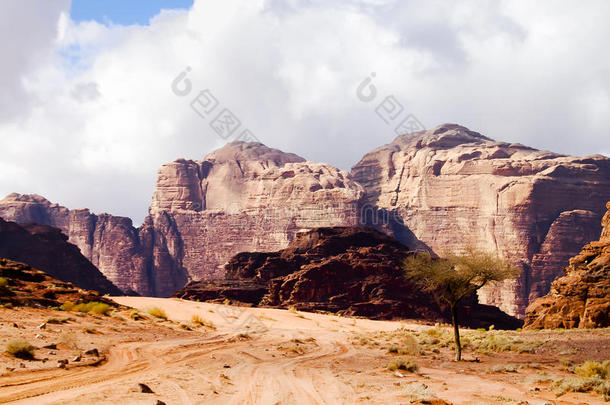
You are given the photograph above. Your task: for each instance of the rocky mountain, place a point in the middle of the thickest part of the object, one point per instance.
(581, 298)
(242, 197)
(443, 189)
(455, 188)
(47, 249)
(346, 270)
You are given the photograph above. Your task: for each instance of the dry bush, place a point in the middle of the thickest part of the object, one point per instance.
(402, 364)
(21, 349)
(199, 321)
(157, 313)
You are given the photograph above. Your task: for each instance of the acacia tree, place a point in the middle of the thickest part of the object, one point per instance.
(457, 276)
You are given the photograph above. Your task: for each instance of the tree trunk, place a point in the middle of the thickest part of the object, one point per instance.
(456, 333)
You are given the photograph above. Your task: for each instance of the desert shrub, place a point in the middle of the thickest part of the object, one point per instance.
(185, 326)
(3, 282)
(21, 349)
(593, 369)
(591, 376)
(93, 307)
(135, 315)
(100, 308)
(408, 346)
(67, 306)
(199, 321)
(91, 331)
(157, 313)
(402, 364)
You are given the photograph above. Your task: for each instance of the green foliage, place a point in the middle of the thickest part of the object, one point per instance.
(457, 276)
(157, 313)
(3, 282)
(21, 349)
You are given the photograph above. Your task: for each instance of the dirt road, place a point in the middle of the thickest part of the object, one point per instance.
(266, 356)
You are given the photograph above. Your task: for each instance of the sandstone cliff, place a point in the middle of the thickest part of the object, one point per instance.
(47, 249)
(442, 189)
(242, 197)
(111, 243)
(454, 188)
(580, 299)
(347, 270)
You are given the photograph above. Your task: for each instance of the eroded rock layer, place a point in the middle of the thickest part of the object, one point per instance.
(455, 188)
(581, 298)
(347, 270)
(47, 249)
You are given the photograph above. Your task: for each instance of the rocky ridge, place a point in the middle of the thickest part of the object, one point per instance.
(47, 249)
(581, 298)
(347, 270)
(28, 286)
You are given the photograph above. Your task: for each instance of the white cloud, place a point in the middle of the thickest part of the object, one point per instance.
(88, 115)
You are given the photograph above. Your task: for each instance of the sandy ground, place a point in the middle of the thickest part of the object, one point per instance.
(267, 356)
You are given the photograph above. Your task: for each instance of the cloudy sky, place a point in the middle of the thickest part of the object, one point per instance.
(88, 111)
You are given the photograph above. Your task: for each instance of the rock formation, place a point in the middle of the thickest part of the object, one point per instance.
(47, 249)
(442, 189)
(347, 270)
(580, 299)
(242, 197)
(454, 188)
(27, 286)
(111, 243)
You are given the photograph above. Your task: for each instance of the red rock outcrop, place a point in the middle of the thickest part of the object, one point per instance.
(347, 270)
(454, 188)
(580, 299)
(27, 286)
(47, 249)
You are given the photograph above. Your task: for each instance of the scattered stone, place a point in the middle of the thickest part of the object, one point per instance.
(145, 389)
(93, 352)
(15, 325)
(52, 353)
(398, 374)
(76, 359)
(39, 336)
(226, 366)
(22, 365)
(52, 346)
(159, 402)
(62, 363)
(42, 325)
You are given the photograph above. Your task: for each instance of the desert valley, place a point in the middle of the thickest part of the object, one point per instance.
(288, 283)
(304, 202)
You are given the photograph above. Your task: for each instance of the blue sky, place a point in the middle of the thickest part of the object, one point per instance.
(122, 11)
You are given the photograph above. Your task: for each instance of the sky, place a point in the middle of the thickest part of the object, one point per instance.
(97, 95)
